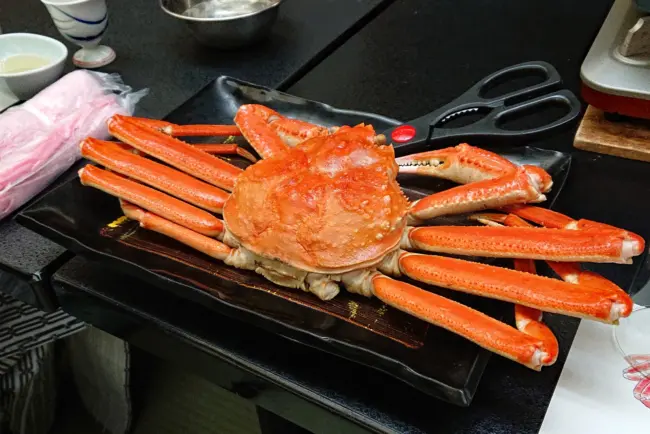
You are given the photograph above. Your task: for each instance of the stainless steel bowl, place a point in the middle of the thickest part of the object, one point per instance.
(215, 24)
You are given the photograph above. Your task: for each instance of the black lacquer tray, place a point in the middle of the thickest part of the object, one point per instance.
(90, 223)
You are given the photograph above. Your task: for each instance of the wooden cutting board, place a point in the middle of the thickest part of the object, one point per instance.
(626, 139)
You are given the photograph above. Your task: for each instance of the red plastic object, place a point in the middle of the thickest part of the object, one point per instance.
(403, 133)
(623, 105)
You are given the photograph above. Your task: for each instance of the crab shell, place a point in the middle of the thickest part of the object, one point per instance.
(330, 205)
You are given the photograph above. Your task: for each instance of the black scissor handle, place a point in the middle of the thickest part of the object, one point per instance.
(475, 94)
(490, 129)
(429, 131)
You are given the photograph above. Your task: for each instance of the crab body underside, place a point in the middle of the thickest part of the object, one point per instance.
(323, 209)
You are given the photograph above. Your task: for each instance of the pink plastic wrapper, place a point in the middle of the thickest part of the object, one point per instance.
(39, 140)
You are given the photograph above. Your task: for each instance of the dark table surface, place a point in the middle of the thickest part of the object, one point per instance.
(158, 52)
(510, 398)
(415, 56)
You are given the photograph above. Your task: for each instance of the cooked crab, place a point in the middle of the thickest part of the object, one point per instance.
(323, 209)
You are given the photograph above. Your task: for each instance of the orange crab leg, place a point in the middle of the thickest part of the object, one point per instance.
(542, 216)
(524, 242)
(572, 272)
(479, 328)
(188, 130)
(515, 187)
(568, 271)
(207, 245)
(529, 320)
(226, 149)
(152, 200)
(174, 152)
(543, 293)
(554, 219)
(114, 157)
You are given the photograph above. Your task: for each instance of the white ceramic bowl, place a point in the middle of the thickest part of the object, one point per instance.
(28, 83)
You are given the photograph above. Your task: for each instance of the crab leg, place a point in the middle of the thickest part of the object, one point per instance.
(479, 328)
(226, 149)
(528, 319)
(114, 157)
(187, 130)
(515, 187)
(543, 293)
(568, 271)
(152, 200)
(202, 243)
(174, 152)
(554, 219)
(523, 242)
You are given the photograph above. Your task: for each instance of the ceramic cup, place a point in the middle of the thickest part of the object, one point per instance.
(25, 84)
(83, 22)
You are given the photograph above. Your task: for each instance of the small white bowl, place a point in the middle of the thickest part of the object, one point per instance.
(28, 83)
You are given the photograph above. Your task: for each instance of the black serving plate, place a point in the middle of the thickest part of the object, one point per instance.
(442, 364)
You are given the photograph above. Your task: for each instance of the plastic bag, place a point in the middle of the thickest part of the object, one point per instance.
(39, 140)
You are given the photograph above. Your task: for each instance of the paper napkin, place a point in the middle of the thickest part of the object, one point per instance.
(597, 391)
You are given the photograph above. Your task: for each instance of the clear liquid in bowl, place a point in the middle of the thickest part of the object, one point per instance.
(226, 8)
(21, 63)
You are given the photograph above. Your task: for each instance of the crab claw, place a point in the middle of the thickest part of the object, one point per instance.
(463, 164)
(270, 133)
